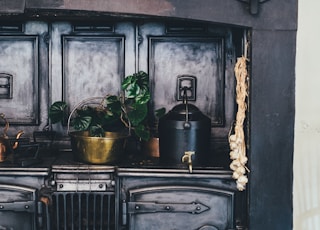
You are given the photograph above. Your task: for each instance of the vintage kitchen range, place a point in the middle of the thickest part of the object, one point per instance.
(178, 189)
(63, 194)
(188, 187)
(54, 190)
(48, 53)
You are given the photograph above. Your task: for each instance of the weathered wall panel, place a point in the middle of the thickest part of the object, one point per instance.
(19, 58)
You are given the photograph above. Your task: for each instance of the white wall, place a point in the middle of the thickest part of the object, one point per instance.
(306, 191)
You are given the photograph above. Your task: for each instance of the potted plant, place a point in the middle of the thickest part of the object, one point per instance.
(113, 113)
(130, 109)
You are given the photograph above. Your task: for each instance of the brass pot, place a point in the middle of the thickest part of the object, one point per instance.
(98, 150)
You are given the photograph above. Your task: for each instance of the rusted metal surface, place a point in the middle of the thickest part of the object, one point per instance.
(12, 6)
(272, 14)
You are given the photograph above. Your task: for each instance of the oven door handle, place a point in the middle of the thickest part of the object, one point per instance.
(18, 206)
(151, 207)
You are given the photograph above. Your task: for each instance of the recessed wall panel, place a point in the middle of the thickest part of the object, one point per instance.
(19, 59)
(93, 66)
(201, 57)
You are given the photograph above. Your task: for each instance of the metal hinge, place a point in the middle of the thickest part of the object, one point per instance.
(18, 206)
(151, 207)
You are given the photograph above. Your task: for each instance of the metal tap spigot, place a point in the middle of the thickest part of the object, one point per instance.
(187, 158)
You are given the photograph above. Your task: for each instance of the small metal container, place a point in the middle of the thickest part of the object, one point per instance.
(184, 134)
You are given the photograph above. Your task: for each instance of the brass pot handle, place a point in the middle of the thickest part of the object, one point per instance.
(81, 103)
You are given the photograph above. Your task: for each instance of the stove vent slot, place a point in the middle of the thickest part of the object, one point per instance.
(86, 210)
(93, 28)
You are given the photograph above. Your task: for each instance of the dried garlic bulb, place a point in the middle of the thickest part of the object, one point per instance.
(237, 140)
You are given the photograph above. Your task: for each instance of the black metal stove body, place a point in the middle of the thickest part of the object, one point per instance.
(171, 199)
(20, 203)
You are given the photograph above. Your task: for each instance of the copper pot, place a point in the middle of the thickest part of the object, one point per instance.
(151, 147)
(5, 145)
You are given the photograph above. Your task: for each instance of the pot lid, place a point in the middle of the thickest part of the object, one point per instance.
(184, 112)
(181, 109)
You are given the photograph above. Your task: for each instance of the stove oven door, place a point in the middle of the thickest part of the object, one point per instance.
(179, 207)
(17, 207)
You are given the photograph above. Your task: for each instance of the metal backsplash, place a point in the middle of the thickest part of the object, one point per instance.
(72, 61)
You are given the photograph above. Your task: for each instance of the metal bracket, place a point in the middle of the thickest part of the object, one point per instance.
(6, 86)
(254, 5)
(189, 83)
(151, 207)
(18, 206)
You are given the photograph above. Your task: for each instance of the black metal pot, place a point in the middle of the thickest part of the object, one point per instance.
(184, 136)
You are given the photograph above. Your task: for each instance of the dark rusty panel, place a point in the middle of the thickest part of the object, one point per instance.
(44, 4)
(152, 7)
(12, 6)
(272, 14)
(272, 106)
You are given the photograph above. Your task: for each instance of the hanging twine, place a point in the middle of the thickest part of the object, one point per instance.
(237, 139)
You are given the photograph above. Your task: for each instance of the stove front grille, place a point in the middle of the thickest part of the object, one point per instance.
(82, 210)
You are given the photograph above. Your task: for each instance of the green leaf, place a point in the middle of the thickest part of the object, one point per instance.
(138, 113)
(143, 98)
(113, 106)
(136, 85)
(142, 132)
(128, 81)
(96, 131)
(82, 123)
(57, 111)
(132, 91)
